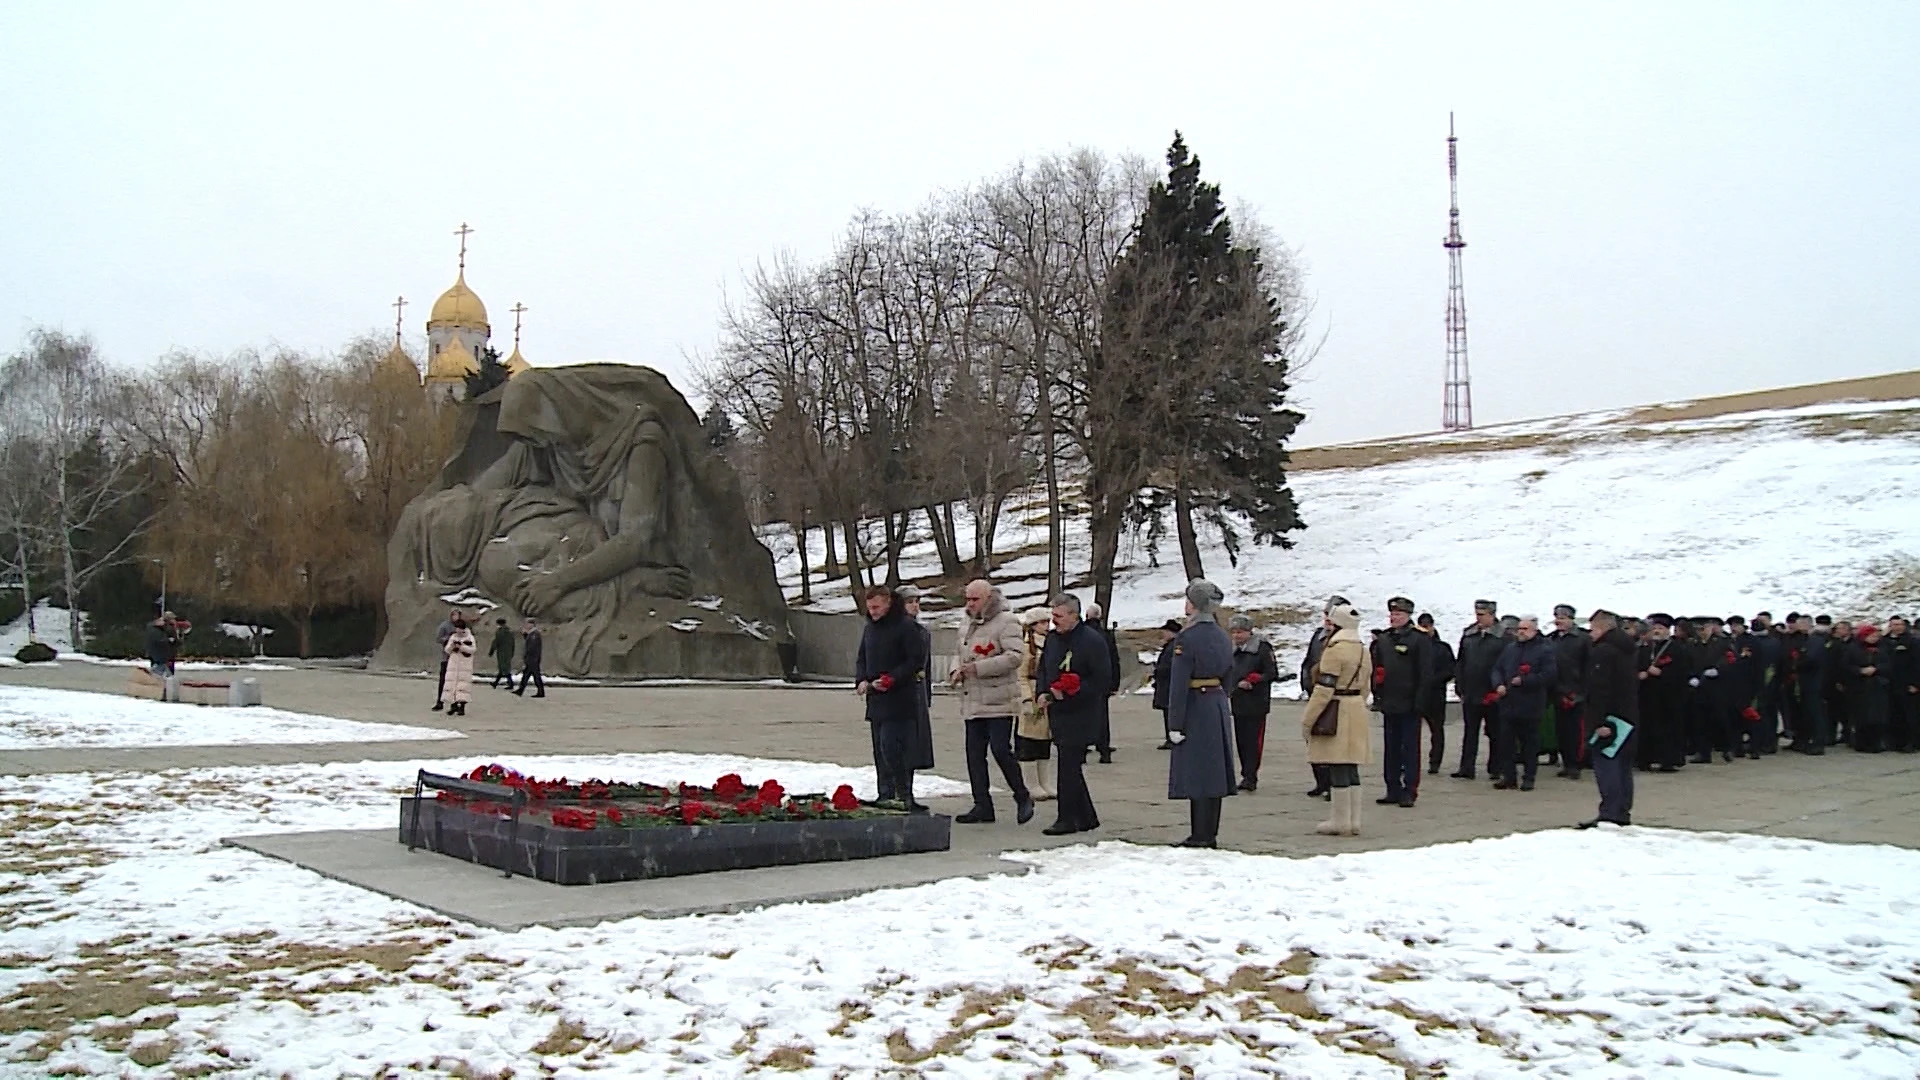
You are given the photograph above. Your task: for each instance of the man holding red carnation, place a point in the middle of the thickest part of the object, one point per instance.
(987, 671)
(886, 674)
(1074, 678)
(1522, 678)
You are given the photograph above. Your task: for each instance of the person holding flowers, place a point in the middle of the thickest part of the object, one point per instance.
(1522, 678)
(1074, 677)
(986, 671)
(886, 674)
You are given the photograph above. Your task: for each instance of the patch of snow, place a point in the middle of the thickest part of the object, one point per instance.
(34, 718)
(686, 626)
(243, 631)
(754, 629)
(711, 603)
(470, 598)
(1625, 952)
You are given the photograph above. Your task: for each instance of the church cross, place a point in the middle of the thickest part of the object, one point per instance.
(518, 309)
(399, 316)
(463, 232)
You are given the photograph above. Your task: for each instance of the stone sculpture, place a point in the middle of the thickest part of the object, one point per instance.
(588, 498)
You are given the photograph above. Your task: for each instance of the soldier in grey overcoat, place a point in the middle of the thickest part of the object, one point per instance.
(1199, 719)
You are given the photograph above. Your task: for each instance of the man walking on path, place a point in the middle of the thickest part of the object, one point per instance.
(1401, 664)
(502, 652)
(530, 661)
(986, 670)
(1612, 692)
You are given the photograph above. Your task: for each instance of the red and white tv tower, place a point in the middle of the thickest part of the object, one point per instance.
(1457, 412)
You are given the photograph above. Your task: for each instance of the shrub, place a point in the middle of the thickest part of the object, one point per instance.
(35, 652)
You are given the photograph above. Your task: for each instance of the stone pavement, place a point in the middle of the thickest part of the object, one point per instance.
(1843, 797)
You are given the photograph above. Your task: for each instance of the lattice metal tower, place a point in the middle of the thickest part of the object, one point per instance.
(1457, 412)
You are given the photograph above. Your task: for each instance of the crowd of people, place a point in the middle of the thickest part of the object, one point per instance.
(458, 648)
(1615, 696)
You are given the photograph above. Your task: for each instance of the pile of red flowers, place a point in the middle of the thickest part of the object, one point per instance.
(593, 804)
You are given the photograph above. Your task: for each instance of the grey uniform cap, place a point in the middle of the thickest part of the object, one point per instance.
(1204, 595)
(1240, 622)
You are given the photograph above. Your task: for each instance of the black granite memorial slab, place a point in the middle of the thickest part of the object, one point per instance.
(567, 856)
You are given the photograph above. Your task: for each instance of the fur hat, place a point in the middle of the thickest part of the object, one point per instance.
(1204, 595)
(1240, 622)
(1344, 616)
(1035, 615)
(1400, 604)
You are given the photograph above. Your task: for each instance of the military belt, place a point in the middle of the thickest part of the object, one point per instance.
(1346, 693)
(1203, 684)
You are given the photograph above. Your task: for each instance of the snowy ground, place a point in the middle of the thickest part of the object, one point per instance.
(1764, 510)
(33, 718)
(130, 936)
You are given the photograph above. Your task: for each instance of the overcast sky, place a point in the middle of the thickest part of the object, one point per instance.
(1659, 200)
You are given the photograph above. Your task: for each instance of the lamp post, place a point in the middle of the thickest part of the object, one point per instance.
(163, 580)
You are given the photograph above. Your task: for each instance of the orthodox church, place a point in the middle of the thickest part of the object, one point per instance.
(457, 331)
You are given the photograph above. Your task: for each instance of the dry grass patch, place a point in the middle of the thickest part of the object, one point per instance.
(791, 1058)
(566, 1038)
(152, 1055)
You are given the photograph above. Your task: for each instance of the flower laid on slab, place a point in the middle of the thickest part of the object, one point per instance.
(601, 804)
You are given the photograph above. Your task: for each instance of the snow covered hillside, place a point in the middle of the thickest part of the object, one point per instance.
(1813, 507)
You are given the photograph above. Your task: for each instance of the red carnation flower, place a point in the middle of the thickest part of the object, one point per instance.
(984, 650)
(1490, 698)
(1526, 669)
(1750, 714)
(1068, 684)
(772, 794)
(1664, 661)
(1379, 676)
(729, 786)
(844, 799)
(1729, 656)
(884, 683)
(690, 811)
(1254, 679)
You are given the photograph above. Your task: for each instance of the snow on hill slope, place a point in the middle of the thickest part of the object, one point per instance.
(1814, 507)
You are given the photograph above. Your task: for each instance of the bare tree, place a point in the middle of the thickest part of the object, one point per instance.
(63, 392)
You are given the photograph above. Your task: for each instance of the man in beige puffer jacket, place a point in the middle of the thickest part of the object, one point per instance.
(986, 669)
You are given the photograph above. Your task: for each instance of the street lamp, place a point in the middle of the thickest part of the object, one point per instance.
(163, 580)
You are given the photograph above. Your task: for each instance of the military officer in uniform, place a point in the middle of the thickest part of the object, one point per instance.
(1199, 719)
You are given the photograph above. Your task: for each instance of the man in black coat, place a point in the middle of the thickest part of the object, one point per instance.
(1864, 671)
(1251, 696)
(1103, 742)
(1402, 660)
(1480, 647)
(1665, 667)
(1815, 730)
(1162, 672)
(1903, 686)
(1433, 693)
(531, 649)
(920, 742)
(1074, 679)
(1611, 692)
(1523, 678)
(1769, 650)
(1839, 714)
(886, 673)
(1571, 645)
(163, 645)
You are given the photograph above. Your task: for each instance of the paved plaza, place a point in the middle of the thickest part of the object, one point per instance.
(1842, 797)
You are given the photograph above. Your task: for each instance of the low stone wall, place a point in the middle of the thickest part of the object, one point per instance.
(828, 643)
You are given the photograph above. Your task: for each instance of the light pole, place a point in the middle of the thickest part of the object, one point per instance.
(163, 581)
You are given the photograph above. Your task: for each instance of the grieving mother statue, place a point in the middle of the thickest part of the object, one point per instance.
(587, 497)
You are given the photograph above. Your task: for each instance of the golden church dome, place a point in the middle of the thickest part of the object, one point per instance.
(459, 307)
(453, 363)
(516, 363)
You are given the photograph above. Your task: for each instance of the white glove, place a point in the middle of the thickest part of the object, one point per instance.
(1176, 737)
(1712, 673)
(1693, 682)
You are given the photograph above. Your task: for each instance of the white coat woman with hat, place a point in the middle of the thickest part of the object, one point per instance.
(1340, 685)
(1032, 735)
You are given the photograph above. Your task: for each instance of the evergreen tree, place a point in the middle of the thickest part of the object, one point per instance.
(719, 427)
(1196, 343)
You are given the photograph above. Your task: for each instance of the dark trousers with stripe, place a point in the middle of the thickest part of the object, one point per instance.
(1250, 738)
(1400, 744)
